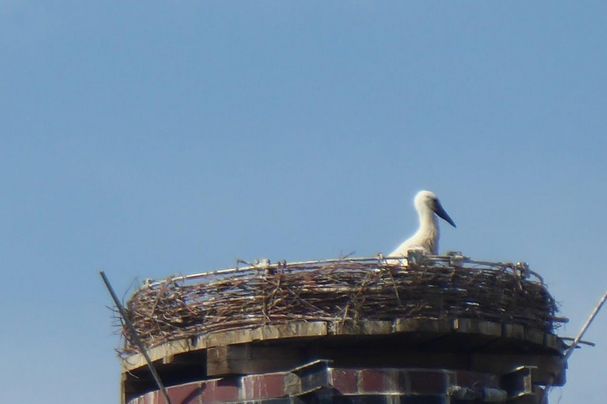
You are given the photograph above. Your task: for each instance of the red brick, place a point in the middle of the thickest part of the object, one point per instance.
(221, 390)
(377, 381)
(159, 398)
(185, 393)
(345, 380)
(261, 387)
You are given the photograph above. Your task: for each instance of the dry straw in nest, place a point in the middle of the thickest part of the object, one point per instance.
(339, 291)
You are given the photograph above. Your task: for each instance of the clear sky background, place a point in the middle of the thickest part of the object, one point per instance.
(153, 138)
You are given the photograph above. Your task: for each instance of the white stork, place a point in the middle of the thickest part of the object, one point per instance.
(425, 238)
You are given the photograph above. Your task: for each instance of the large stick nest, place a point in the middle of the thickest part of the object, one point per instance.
(345, 290)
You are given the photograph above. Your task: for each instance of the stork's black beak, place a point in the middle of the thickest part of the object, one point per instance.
(440, 211)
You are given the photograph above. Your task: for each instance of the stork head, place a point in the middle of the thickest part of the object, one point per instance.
(427, 200)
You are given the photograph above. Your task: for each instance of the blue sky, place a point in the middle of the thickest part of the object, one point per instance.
(153, 138)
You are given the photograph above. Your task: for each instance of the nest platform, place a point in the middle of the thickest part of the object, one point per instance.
(447, 312)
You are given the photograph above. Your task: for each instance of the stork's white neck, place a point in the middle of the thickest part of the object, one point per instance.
(427, 219)
(428, 228)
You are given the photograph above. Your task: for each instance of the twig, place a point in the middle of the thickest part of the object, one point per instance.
(135, 338)
(577, 339)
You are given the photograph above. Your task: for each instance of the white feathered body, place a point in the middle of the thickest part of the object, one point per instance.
(425, 238)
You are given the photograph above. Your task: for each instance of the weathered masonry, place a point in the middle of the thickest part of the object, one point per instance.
(426, 329)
